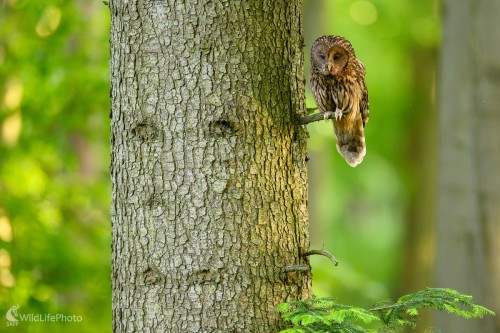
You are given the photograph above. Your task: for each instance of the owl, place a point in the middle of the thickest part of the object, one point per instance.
(338, 86)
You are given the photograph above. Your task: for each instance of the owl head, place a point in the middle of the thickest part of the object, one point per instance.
(331, 55)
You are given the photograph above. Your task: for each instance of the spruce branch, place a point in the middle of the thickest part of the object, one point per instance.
(326, 315)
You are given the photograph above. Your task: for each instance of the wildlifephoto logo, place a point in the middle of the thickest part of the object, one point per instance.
(14, 318)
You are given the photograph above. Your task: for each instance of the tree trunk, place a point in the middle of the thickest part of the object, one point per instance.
(208, 169)
(418, 256)
(468, 233)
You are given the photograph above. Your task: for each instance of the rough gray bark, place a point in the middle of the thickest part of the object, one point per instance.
(468, 231)
(208, 170)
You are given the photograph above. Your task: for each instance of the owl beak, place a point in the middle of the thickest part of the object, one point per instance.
(329, 67)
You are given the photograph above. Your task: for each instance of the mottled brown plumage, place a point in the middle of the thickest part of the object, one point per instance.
(338, 86)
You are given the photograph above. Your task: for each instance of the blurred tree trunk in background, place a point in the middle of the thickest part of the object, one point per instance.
(209, 173)
(468, 231)
(419, 252)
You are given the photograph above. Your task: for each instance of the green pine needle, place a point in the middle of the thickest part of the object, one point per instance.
(325, 315)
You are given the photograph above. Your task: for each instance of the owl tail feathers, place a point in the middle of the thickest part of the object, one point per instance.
(353, 150)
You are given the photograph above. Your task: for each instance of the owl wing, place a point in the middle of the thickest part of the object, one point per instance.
(364, 106)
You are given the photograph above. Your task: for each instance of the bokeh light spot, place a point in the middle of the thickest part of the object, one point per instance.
(5, 228)
(49, 215)
(24, 171)
(6, 278)
(11, 129)
(426, 31)
(363, 12)
(49, 22)
(5, 260)
(13, 94)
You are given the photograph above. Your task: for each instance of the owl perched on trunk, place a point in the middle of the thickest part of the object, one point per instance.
(338, 86)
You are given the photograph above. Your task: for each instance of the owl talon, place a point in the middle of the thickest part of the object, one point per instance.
(327, 115)
(338, 114)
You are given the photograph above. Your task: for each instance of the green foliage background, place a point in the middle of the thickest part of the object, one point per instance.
(54, 156)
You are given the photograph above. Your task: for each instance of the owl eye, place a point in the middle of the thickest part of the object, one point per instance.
(322, 56)
(336, 56)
